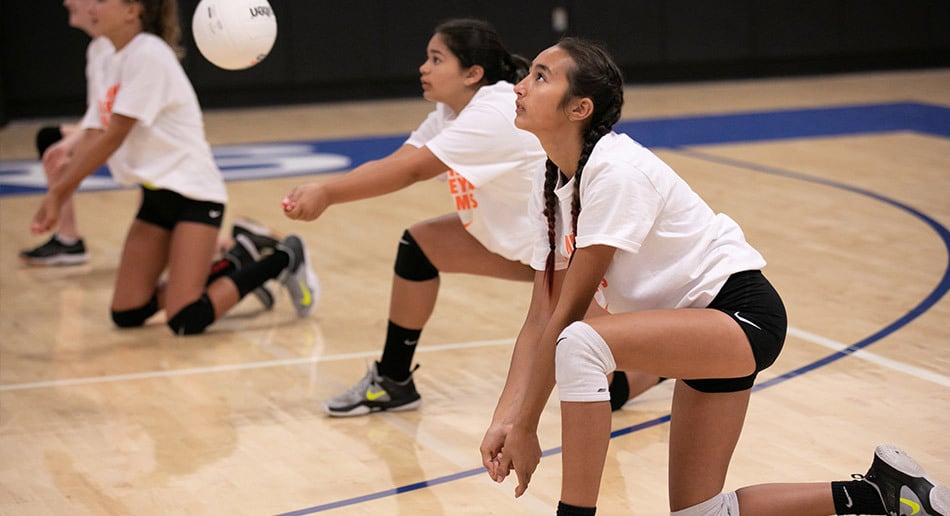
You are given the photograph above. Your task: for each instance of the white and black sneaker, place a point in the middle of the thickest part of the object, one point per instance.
(375, 393)
(263, 238)
(904, 487)
(299, 278)
(55, 252)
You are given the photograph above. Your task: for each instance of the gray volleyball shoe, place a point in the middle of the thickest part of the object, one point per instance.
(375, 393)
(903, 485)
(301, 281)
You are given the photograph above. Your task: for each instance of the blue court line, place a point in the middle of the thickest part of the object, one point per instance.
(929, 301)
(671, 132)
(732, 128)
(784, 125)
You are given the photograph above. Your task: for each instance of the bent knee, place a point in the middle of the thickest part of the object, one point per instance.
(135, 317)
(582, 362)
(411, 261)
(723, 504)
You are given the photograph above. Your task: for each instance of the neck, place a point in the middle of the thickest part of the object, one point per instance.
(457, 105)
(564, 149)
(122, 37)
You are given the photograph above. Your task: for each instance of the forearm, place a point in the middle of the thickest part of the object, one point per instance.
(519, 375)
(371, 179)
(90, 150)
(572, 295)
(541, 378)
(404, 167)
(72, 138)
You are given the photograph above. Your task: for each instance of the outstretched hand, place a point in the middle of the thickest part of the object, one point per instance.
(305, 202)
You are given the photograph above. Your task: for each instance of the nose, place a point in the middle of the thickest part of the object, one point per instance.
(519, 88)
(423, 67)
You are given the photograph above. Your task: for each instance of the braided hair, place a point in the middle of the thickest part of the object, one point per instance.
(594, 76)
(475, 42)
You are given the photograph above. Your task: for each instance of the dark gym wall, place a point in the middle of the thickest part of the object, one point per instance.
(372, 48)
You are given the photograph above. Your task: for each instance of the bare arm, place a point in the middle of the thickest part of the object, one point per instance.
(587, 269)
(405, 166)
(572, 296)
(57, 155)
(519, 375)
(91, 151)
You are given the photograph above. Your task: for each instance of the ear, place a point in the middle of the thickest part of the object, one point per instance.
(134, 10)
(581, 109)
(474, 75)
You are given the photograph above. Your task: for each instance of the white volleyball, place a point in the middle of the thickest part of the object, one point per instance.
(234, 34)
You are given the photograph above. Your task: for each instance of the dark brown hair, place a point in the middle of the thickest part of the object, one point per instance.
(475, 42)
(160, 17)
(594, 76)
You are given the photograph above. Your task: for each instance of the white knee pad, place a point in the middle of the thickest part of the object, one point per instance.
(723, 504)
(582, 362)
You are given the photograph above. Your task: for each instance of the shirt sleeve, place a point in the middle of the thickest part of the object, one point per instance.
(480, 144)
(619, 206)
(429, 127)
(143, 88)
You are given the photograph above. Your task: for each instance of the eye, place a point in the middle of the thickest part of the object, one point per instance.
(539, 77)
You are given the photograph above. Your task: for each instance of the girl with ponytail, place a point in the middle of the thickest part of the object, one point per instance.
(144, 120)
(686, 300)
(490, 163)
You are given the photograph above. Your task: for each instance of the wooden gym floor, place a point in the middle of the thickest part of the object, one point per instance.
(843, 182)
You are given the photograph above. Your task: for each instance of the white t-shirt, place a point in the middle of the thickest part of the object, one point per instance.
(491, 166)
(672, 250)
(167, 147)
(100, 47)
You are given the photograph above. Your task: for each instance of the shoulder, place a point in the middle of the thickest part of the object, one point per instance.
(151, 47)
(615, 148)
(492, 106)
(498, 95)
(617, 158)
(99, 46)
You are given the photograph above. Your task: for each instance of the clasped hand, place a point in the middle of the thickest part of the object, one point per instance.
(506, 448)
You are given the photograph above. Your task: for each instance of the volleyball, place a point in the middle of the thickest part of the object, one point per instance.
(234, 34)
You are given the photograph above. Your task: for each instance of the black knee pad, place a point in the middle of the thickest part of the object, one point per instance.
(136, 316)
(411, 262)
(193, 318)
(46, 137)
(619, 390)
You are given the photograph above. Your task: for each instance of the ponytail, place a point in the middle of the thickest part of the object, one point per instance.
(475, 42)
(160, 17)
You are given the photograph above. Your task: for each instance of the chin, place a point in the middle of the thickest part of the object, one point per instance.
(520, 123)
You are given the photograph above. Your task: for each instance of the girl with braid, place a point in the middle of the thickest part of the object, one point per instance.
(145, 120)
(687, 300)
(490, 163)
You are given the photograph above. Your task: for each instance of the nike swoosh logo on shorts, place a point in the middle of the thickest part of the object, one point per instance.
(743, 319)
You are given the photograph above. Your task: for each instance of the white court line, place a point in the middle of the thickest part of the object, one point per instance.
(236, 367)
(918, 372)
